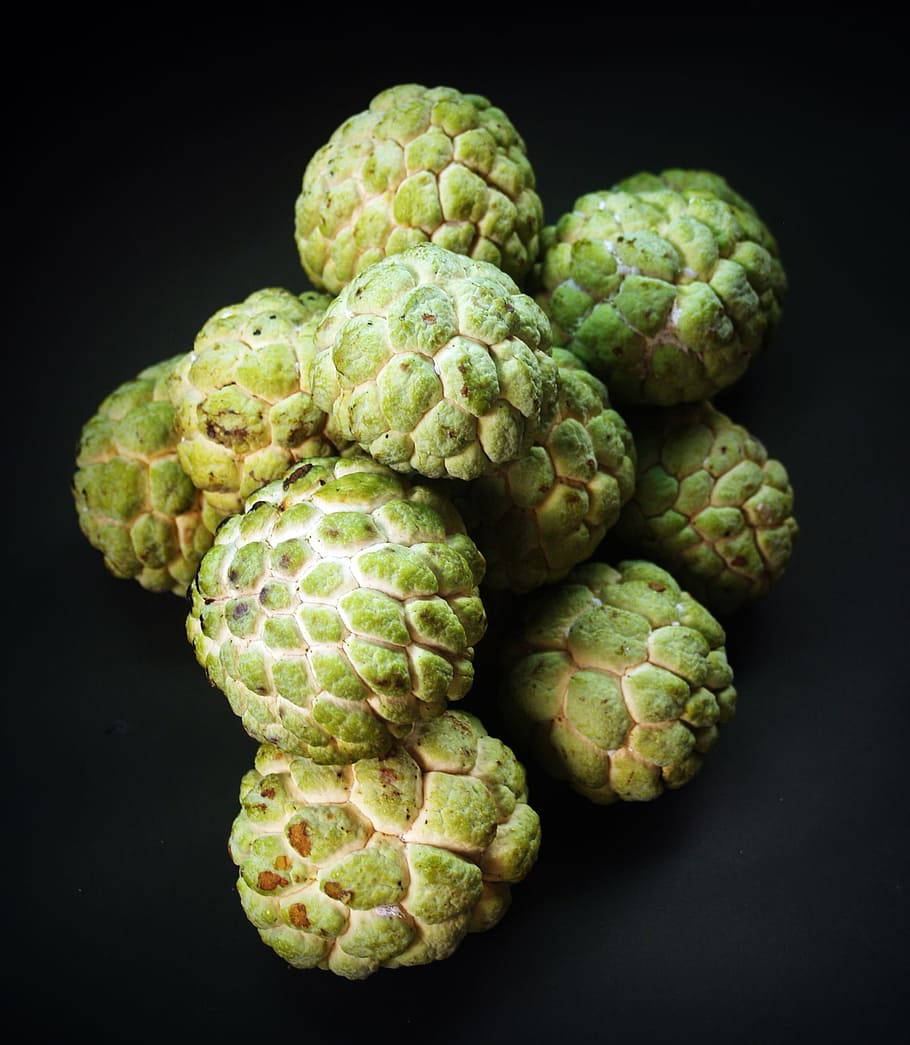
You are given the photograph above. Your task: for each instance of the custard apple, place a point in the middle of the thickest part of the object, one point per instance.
(389, 861)
(243, 415)
(418, 165)
(709, 505)
(617, 680)
(666, 286)
(435, 363)
(339, 609)
(536, 518)
(135, 503)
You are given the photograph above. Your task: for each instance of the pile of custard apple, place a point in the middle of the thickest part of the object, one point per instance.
(464, 407)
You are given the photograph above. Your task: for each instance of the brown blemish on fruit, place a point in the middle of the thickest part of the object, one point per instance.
(387, 774)
(224, 433)
(298, 473)
(267, 792)
(299, 838)
(297, 435)
(657, 586)
(297, 914)
(268, 880)
(338, 892)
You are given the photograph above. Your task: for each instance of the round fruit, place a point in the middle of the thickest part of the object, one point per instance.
(536, 518)
(418, 165)
(339, 609)
(435, 363)
(244, 410)
(709, 505)
(665, 286)
(389, 861)
(135, 503)
(618, 681)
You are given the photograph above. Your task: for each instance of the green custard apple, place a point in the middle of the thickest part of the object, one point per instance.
(536, 518)
(666, 286)
(387, 862)
(135, 503)
(709, 505)
(339, 609)
(244, 409)
(435, 363)
(617, 681)
(420, 164)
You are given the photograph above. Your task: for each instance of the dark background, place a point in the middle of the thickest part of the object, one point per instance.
(154, 182)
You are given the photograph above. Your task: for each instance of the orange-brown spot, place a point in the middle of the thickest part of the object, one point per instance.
(267, 792)
(297, 914)
(268, 881)
(387, 774)
(299, 838)
(338, 892)
(428, 317)
(282, 863)
(657, 586)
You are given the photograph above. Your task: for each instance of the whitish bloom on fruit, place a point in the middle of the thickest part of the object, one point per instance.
(618, 681)
(418, 165)
(710, 505)
(536, 518)
(339, 609)
(665, 286)
(388, 861)
(244, 410)
(435, 363)
(135, 503)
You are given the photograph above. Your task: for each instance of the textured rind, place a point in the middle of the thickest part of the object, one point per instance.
(134, 502)
(389, 861)
(710, 505)
(617, 681)
(420, 164)
(666, 286)
(435, 363)
(339, 609)
(244, 410)
(536, 518)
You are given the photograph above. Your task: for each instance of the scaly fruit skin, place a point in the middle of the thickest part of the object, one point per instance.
(389, 861)
(244, 409)
(135, 503)
(618, 680)
(536, 518)
(666, 286)
(435, 363)
(339, 609)
(418, 165)
(709, 505)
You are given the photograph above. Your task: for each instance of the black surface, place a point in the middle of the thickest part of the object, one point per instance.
(767, 900)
